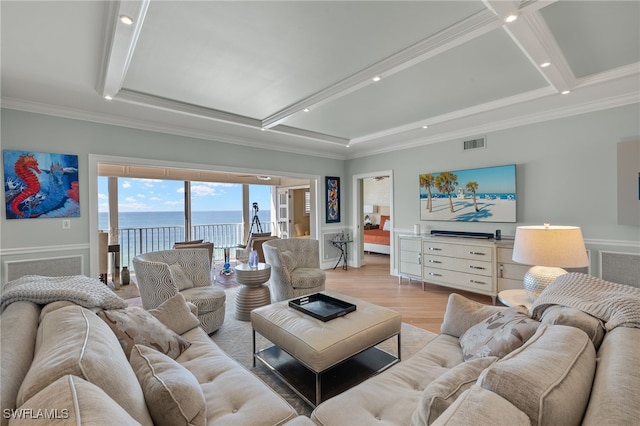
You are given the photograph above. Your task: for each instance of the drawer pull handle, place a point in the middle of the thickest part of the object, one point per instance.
(501, 270)
(477, 282)
(419, 259)
(435, 248)
(433, 274)
(477, 253)
(434, 261)
(477, 267)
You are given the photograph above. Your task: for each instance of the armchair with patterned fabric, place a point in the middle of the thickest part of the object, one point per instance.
(162, 274)
(295, 267)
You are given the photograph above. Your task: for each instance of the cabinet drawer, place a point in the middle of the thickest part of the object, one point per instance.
(410, 244)
(507, 283)
(512, 270)
(458, 279)
(504, 254)
(454, 264)
(457, 250)
(410, 269)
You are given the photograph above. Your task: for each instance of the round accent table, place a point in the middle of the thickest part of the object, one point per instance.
(252, 292)
(514, 297)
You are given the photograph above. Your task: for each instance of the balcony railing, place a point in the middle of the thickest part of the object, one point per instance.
(134, 241)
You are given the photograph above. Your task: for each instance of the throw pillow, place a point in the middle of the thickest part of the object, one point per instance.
(383, 220)
(549, 378)
(176, 314)
(180, 279)
(134, 325)
(75, 341)
(462, 313)
(443, 391)
(288, 260)
(564, 315)
(172, 392)
(499, 334)
(72, 400)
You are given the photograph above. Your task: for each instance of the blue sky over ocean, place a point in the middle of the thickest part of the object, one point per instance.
(155, 195)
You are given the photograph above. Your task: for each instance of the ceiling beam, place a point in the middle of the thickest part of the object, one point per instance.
(457, 34)
(120, 43)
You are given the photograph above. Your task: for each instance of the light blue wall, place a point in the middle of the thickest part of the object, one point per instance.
(566, 172)
(566, 175)
(34, 239)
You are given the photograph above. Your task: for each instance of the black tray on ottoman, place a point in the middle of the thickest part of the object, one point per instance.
(322, 307)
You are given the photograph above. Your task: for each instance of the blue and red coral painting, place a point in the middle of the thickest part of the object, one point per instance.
(40, 185)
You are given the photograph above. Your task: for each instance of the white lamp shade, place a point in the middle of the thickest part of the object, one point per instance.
(558, 246)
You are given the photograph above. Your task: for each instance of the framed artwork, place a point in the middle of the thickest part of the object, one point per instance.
(333, 199)
(40, 185)
(475, 195)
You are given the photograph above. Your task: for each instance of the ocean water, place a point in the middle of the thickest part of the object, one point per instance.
(135, 239)
(157, 219)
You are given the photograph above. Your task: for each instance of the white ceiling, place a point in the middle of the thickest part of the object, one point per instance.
(242, 72)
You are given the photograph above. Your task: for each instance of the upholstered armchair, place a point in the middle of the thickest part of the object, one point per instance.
(196, 244)
(162, 274)
(256, 240)
(295, 267)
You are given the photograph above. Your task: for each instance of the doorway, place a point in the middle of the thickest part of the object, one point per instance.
(380, 205)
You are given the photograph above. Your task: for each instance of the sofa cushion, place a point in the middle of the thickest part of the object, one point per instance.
(288, 260)
(206, 299)
(549, 377)
(134, 325)
(462, 313)
(176, 314)
(180, 279)
(172, 393)
(75, 341)
(499, 334)
(73, 400)
(564, 315)
(444, 390)
(18, 347)
(477, 406)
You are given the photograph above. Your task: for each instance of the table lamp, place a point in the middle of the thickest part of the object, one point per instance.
(368, 209)
(550, 248)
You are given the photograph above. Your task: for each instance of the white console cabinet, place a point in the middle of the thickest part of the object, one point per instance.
(460, 263)
(410, 257)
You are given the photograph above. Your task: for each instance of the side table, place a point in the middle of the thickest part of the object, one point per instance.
(252, 292)
(514, 297)
(341, 245)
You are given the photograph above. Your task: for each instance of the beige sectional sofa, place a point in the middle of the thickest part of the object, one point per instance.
(85, 366)
(64, 362)
(570, 371)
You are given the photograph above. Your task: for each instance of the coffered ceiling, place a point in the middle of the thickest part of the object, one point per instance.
(338, 79)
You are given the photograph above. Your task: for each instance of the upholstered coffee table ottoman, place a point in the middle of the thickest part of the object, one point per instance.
(318, 359)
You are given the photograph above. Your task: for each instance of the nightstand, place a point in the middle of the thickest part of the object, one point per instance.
(372, 227)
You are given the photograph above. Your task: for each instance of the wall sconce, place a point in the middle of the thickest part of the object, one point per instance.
(550, 248)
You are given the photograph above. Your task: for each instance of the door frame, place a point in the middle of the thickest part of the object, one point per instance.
(358, 217)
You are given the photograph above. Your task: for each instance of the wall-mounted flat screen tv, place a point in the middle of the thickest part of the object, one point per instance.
(487, 194)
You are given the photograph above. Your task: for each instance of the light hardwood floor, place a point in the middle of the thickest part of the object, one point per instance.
(373, 283)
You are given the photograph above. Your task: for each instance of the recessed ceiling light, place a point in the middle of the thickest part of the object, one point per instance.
(511, 18)
(376, 78)
(108, 97)
(348, 146)
(264, 177)
(306, 110)
(425, 127)
(264, 129)
(126, 20)
(566, 92)
(545, 64)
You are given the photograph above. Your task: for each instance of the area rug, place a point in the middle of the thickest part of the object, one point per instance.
(235, 338)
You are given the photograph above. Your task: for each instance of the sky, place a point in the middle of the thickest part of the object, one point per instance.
(155, 195)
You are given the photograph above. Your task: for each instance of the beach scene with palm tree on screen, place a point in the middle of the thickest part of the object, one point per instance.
(474, 195)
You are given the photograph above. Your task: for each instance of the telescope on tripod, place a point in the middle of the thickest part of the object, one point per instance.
(256, 220)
